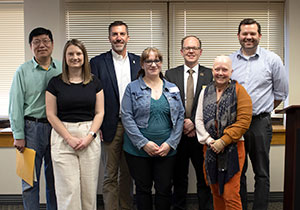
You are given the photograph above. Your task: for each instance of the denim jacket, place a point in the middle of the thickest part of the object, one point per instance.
(135, 111)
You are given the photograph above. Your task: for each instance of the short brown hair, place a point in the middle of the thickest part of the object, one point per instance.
(86, 69)
(117, 23)
(249, 21)
(184, 38)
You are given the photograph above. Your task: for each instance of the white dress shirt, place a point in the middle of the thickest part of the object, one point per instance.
(122, 69)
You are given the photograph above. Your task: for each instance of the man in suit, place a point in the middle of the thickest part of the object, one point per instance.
(115, 68)
(190, 79)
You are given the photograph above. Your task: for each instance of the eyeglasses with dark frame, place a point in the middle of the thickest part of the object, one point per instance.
(150, 62)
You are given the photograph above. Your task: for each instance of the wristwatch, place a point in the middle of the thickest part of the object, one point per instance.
(93, 134)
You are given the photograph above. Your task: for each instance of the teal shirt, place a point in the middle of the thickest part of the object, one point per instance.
(158, 130)
(27, 93)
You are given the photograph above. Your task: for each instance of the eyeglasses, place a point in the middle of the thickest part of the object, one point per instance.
(150, 62)
(37, 42)
(191, 48)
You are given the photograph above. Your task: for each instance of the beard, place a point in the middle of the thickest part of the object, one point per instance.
(245, 43)
(119, 46)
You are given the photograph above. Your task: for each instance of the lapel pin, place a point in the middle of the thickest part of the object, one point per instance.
(133, 61)
(201, 74)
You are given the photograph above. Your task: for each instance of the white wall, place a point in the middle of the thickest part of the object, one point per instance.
(292, 47)
(47, 14)
(9, 182)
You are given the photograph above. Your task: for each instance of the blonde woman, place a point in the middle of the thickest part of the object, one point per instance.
(75, 109)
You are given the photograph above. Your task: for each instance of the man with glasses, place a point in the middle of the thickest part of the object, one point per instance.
(190, 79)
(115, 68)
(27, 114)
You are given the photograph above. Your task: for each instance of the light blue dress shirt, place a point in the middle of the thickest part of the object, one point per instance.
(263, 76)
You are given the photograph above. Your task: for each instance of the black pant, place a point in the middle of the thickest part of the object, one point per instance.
(257, 145)
(145, 171)
(190, 148)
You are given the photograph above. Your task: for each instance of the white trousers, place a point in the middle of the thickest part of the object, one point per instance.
(75, 172)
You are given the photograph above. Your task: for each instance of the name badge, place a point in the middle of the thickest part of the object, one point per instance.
(174, 90)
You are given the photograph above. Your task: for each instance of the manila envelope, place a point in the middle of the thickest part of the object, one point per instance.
(25, 165)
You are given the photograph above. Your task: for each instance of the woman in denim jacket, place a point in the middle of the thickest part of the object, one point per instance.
(152, 115)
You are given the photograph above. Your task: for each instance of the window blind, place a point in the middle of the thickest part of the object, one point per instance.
(146, 22)
(12, 48)
(216, 24)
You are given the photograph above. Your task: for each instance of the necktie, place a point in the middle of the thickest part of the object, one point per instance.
(189, 94)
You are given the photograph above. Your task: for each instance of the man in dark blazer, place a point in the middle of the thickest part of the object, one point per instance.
(115, 68)
(189, 147)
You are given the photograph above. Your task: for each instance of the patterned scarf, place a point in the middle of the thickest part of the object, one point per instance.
(217, 116)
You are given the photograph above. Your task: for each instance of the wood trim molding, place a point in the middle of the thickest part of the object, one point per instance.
(278, 135)
(6, 138)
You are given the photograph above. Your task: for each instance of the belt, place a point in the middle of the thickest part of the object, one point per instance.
(261, 115)
(41, 120)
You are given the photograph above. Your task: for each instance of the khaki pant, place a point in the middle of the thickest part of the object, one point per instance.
(75, 172)
(117, 183)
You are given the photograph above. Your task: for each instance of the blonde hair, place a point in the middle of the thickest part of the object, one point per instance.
(86, 69)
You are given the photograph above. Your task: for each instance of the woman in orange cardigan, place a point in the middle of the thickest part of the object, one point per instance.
(223, 115)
